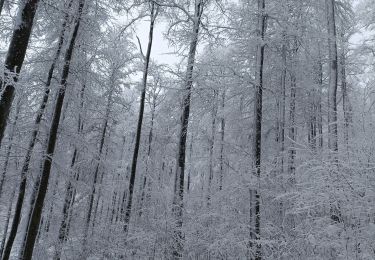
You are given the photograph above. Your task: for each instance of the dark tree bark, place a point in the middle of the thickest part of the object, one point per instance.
(9, 149)
(211, 147)
(344, 91)
(52, 137)
(97, 168)
(9, 212)
(258, 107)
(70, 189)
(14, 59)
(332, 99)
(222, 139)
(281, 137)
(292, 118)
(150, 138)
(1, 9)
(30, 148)
(333, 75)
(140, 120)
(319, 81)
(178, 198)
(190, 162)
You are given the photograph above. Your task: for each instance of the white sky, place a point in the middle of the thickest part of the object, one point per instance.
(161, 51)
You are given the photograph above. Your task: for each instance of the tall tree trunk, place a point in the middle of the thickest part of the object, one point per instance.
(178, 197)
(15, 57)
(333, 75)
(332, 98)
(140, 119)
(292, 117)
(9, 148)
(190, 162)
(344, 92)
(258, 105)
(52, 137)
(319, 82)
(70, 190)
(150, 138)
(33, 139)
(94, 189)
(9, 212)
(283, 106)
(211, 148)
(222, 136)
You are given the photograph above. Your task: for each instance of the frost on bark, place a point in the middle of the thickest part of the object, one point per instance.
(333, 75)
(14, 59)
(70, 190)
(222, 139)
(178, 196)
(257, 145)
(211, 147)
(1, 9)
(25, 167)
(140, 120)
(52, 138)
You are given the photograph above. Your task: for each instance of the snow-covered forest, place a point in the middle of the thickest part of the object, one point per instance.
(187, 129)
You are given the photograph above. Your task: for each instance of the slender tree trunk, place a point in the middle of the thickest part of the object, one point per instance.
(211, 148)
(1, 9)
(312, 123)
(332, 98)
(97, 168)
(9, 148)
(9, 212)
(150, 138)
(30, 148)
(190, 162)
(70, 190)
(48, 215)
(344, 92)
(178, 197)
(32, 201)
(222, 139)
(333, 75)
(319, 82)
(52, 137)
(15, 57)
(258, 107)
(292, 120)
(283, 107)
(140, 119)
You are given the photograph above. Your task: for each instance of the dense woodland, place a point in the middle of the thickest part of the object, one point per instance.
(256, 142)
